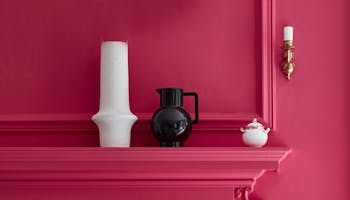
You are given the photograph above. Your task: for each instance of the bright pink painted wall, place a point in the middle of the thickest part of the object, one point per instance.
(50, 61)
(50, 53)
(313, 108)
(49, 57)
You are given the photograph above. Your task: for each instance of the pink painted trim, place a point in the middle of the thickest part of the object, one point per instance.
(268, 87)
(220, 122)
(47, 122)
(234, 166)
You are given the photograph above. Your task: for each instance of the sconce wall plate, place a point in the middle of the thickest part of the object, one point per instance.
(288, 56)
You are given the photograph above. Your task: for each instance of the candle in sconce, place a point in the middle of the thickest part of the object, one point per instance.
(288, 33)
(288, 55)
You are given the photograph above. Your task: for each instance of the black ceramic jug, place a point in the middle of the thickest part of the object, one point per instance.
(171, 124)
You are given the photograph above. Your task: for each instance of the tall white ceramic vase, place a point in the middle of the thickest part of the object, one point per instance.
(114, 119)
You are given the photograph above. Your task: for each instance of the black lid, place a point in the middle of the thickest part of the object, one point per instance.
(170, 96)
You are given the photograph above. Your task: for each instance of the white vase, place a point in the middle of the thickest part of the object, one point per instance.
(114, 119)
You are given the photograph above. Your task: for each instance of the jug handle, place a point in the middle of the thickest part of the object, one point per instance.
(195, 121)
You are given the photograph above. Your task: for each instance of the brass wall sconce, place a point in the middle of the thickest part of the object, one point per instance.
(288, 55)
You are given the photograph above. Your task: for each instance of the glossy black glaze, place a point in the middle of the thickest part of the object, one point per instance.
(171, 124)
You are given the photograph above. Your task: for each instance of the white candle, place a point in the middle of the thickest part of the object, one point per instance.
(288, 33)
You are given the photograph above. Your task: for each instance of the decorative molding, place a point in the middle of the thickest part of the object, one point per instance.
(267, 85)
(47, 123)
(219, 122)
(266, 104)
(235, 167)
(240, 193)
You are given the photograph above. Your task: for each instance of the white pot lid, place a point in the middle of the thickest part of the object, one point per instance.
(255, 125)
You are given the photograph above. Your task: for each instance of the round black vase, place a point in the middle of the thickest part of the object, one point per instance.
(171, 126)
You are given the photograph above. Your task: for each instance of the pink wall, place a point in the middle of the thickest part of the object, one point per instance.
(313, 108)
(51, 53)
(49, 58)
(50, 63)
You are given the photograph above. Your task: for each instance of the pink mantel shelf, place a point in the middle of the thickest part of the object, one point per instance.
(235, 167)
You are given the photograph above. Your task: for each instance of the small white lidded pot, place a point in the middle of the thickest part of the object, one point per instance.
(255, 134)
